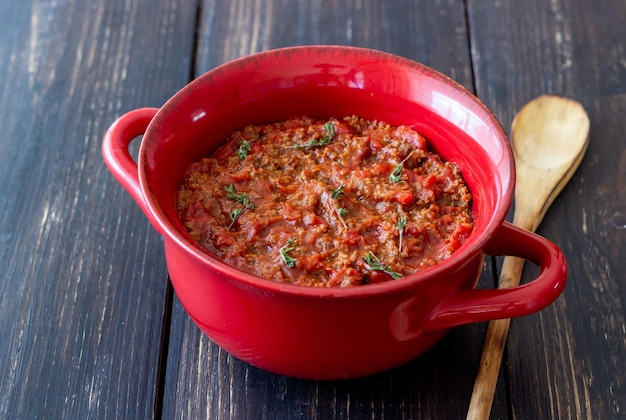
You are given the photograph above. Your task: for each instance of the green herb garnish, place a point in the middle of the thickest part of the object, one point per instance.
(284, 253)
(396, 175)
(326, 138)
(337, 193)
(231, 192)
(342, 212)
(236, 213)
(330, 132)
(244, 148)
(401, 225)
(373, 264)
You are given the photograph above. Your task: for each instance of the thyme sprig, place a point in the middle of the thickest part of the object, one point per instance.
(284, 253)
(327, 137)
(244, 148)
(338, 192)
(330, 133)
(341, 212)
(374, 264)
(231, 192)
(396, 175)
(401, 225)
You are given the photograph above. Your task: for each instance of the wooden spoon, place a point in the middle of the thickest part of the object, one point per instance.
(550, 136)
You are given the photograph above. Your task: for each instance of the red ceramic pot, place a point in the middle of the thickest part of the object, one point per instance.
(332, 333)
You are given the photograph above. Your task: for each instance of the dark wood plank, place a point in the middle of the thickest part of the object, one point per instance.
(204, 381)
(84, 283)
(433, 34)
(569, 361)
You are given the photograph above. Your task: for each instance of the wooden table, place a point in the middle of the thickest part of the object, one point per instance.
(89, 325)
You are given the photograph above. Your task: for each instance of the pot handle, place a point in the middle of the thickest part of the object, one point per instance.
(118, 159)
(479, 305)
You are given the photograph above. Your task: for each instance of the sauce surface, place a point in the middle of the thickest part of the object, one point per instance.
(339, 202)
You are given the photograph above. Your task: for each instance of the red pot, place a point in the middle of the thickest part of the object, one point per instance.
(332, 333)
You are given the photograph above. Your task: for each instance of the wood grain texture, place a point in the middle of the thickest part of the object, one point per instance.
(434, 33)
(84, 284)
(568, 361)
(84, 297)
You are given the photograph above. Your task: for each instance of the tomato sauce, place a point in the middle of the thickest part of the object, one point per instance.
(339, 202)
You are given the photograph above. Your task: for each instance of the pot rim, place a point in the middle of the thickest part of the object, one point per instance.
(456, 261)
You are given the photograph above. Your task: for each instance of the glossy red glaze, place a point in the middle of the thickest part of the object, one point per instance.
(332, 333)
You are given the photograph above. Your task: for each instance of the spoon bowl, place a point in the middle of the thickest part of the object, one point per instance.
(550, 136)
(550, 132)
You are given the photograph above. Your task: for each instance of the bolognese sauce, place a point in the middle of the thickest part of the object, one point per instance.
(338, 202)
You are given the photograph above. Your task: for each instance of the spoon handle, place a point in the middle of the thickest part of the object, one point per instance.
(550, 136)
(495, 341)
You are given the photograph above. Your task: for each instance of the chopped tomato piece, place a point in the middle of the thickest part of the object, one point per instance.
(241, 176)
(405, 197)
(381, 168)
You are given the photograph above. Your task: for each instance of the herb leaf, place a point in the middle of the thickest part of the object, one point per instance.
(342, 212)
(236, 213)
(337, 193)
(330, 132)
(401, 225)
(326, 138)
(373, 264)
(284, 253)
(231, 192)
(396, 175)
(244, 148)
